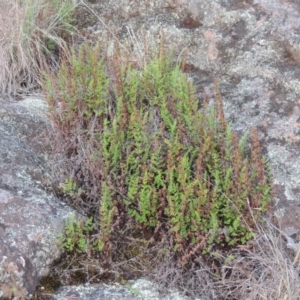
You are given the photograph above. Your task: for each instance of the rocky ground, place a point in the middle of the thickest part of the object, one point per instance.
(251, 46)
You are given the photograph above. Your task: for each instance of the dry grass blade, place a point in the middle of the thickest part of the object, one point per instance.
(264, 271)
(30, 35)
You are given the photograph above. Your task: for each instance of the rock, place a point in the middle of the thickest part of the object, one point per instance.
(133, 290)
(91, 292)
(30, 217)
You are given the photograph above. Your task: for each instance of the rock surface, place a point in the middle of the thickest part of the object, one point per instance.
(30, 218)
(140, 289)
(92, 292)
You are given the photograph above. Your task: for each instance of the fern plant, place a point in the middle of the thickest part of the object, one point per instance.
(152, 161)
(75, 234)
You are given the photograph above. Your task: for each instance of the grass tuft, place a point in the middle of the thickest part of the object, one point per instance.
(32, 33)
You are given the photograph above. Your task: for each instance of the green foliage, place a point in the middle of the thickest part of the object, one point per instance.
(106, 214)
(74, 237)
(71, 189)
(162, 164)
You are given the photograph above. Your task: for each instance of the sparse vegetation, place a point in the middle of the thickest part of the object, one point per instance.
(263, 269)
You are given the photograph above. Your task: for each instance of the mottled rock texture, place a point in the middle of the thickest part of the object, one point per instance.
(30, 218)
(140, 289)
(92, 292)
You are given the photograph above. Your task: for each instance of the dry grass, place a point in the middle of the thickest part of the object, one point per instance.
(31, 33)
(267, 271)
(262, 270)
